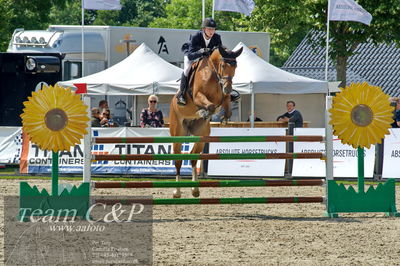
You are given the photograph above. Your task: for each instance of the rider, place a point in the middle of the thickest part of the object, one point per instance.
(199, 45)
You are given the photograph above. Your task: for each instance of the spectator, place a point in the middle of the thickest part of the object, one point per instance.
(106, 120)
(292, 115)
(95, 121)
(396, 117)
(151, 116)
(256, 119)
(103, 104)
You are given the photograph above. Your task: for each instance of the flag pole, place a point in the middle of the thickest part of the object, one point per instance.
(83, 41)
(203, 10)
(213, 4)
(327, 46)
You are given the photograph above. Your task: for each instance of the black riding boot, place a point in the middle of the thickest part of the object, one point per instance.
(182, 90)
(235, 95)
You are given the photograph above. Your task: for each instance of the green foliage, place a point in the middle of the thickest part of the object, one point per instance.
(28, 14)
(186, 14)
(39, 14)
(345, 36)
(287, 21)
(139, 13)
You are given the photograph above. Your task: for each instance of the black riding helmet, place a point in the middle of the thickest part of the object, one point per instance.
(209, 23)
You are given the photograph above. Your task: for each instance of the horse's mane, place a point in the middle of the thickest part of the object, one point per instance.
(229, 54)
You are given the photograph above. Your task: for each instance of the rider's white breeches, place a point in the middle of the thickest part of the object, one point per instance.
(186, 65)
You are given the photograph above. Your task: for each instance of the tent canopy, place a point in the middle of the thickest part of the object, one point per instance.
(141, 73)
(253, 74)
(145, 73)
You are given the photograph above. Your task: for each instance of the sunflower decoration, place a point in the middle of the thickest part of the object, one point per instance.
(55, 118)
(361, 115)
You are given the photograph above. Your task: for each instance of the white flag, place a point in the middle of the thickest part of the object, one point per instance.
(241, 6)
(348, 10)
(102, 4)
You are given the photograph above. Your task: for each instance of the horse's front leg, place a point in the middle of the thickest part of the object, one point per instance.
(201, 100)
(226, 105)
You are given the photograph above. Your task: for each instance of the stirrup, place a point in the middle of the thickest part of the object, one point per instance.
(235, 96)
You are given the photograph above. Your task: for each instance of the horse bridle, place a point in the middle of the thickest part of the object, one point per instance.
(223, 79)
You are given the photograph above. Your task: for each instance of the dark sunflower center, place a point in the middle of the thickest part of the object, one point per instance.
(361, 115)
(56, 119)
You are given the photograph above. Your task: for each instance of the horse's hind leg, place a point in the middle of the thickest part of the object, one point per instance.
(200, 128)
(178, 164)
(197, 148)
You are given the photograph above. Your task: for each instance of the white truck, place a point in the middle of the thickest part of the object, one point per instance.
(105, 46)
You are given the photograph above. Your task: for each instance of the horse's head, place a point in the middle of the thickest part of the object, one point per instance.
(225, 63)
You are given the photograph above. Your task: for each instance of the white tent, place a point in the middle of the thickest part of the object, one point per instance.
(142, 73)
(254, 75)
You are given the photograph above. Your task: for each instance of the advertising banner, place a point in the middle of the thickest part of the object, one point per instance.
(10, 145)
(36, 161)
(391, 154)
(344, 157)
(260, 168)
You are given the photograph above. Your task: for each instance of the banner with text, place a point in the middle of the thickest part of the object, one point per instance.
(247, 167)
(36, 161)
(10, 145)
(391, 154)
(344, 157)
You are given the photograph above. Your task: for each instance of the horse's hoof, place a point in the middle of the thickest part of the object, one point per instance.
(203, 113)
(177, 194)
(195, 192)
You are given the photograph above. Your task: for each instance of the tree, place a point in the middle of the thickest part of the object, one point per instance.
(28, 14)
(346, 36)
(186, 14)
(288, 21)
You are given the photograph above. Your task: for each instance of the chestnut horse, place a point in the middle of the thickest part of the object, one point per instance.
(211, 87)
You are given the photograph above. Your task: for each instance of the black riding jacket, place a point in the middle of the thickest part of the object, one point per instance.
(196, 42)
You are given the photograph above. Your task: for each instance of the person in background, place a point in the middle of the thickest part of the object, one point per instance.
(292, 115)
(256, 119)
(396, 117)
(95, 120)
(106, 120)
(151, 116)
(103, 104)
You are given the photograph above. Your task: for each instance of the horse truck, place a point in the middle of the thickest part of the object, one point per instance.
(104, 46)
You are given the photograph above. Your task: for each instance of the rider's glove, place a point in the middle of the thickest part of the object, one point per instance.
(204, 51)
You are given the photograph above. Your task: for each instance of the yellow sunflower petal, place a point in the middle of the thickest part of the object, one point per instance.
(361, 133)
(66, 117)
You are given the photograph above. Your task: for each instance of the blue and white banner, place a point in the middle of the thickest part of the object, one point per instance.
(36, 161)
(344, 157)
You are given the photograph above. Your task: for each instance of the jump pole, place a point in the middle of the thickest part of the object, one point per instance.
(208, 201)
(211, 156)
(183, 139)
(224, 183)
